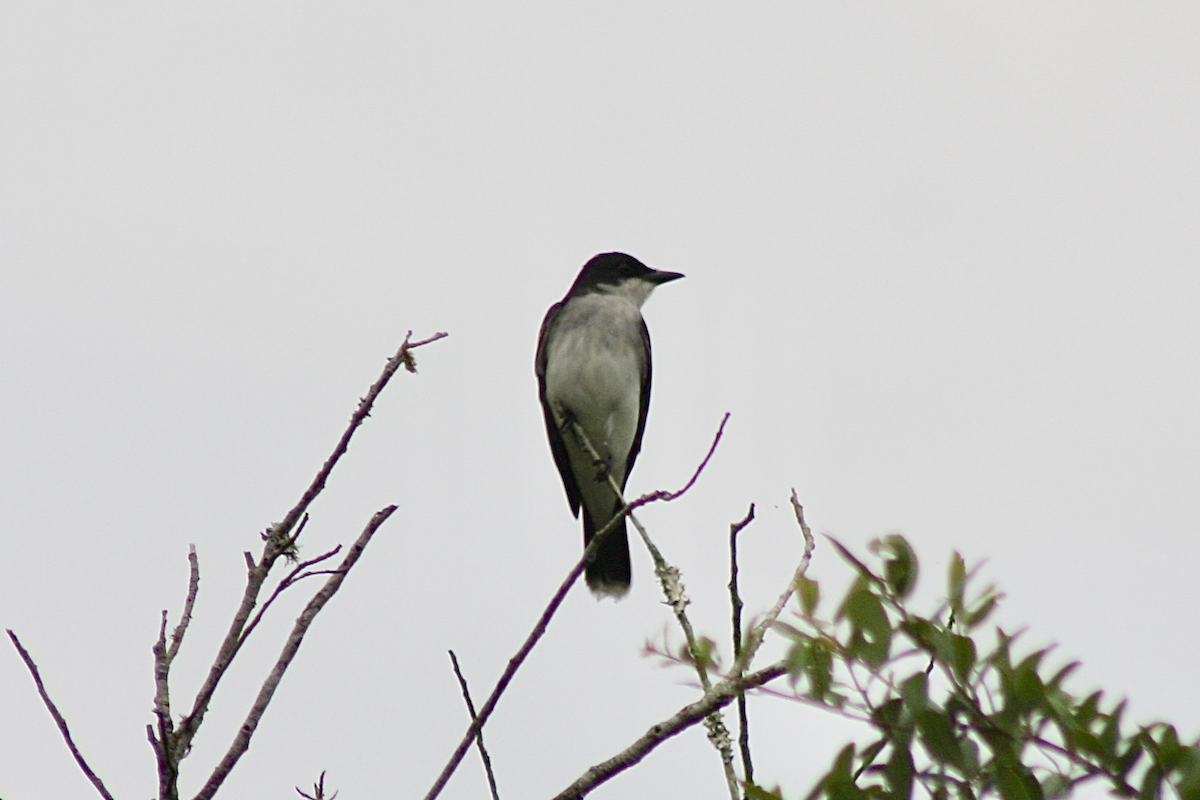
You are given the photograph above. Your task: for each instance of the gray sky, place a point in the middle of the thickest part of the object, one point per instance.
(941, 267)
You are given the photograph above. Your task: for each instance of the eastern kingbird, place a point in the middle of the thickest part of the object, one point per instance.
(593, 367)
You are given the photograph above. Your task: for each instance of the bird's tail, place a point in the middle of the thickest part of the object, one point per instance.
(609, 574)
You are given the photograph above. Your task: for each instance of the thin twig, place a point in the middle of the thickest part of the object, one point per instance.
(735, 602)
(515, 662)
(318, 790)
(669, 496)
(712, 702)
(673, 590)
(279, 541)
(539, 628)
(58, 719)
(754, 640)
(403, 357)
(483, 753)
(241, 742)
(186, 617)
(164, 656)
(293, 577)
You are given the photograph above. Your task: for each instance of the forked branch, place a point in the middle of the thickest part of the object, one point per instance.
(539, 628)
(241, 742)
(279, 541)
(672, 587)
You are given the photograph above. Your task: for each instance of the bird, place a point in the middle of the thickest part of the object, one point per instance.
(593, 368)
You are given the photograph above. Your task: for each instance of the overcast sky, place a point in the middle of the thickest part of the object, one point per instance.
(942, 269)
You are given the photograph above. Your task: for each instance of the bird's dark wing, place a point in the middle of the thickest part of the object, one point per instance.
(645, 404)
(557, 446)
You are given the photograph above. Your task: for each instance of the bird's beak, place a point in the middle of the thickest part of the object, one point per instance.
(660, 276)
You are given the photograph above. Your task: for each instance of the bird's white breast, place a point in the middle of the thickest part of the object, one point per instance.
(594, 370)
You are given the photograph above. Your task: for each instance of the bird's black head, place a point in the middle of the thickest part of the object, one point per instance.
(611, 270)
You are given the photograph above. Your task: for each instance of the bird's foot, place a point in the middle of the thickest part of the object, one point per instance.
(603, 468)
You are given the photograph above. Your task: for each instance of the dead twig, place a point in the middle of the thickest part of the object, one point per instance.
(662, 494)
(403, 357)
(483, 753)
(58, 718)
(515, 662)
(318, 790)
(539, 628)
(673, 590)
(756, 634)
(735, 601)
(164, 655)
(295, 576)
(713, 701)
(241, 742)
(279, 542)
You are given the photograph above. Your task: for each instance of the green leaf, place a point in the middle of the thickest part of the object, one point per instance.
(1057, 786)
(1151, 784)
(915, 691)
(819, 668)
(1126, 760)
(754, 792)
(962, 656)
(798, 658)
(937, 734)
(887, 715)
(1170, 751)
(899, 773)
(1023, 687)
(852, 560)
(982, 611)
(867, 756)
(838, 783)
(871, 635)
(1089, 708)
(1000, 656)
(921, 631)
(810, 594)
(790, 631)
(900, 566)
(1016, 782)
(704, 654)
(970, 751)
(1062, 674)
(958, 582)
(1188, 785)
(860, 584)
(1111, 733)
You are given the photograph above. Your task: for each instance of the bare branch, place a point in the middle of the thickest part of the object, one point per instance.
(673, 590)
(483, 753)
(713, 701)
(318, 790)
(295, 576)
(279, 541)
(756, 635)
(540, 626)
(58, 719)
(735, 602)
(669, 496)
(241, 742)
(403, 357)
(515, 662)
(186, 617)
(168, 763)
